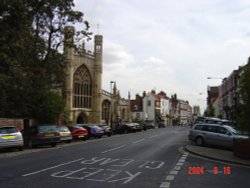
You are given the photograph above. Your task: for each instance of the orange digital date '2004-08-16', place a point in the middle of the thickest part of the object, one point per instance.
(194, 170)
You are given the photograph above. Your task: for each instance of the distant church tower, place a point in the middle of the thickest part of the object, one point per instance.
(83, 80)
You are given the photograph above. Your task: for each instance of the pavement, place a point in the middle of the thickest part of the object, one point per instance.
(217, 154)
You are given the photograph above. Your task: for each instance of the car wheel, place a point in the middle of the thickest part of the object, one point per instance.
(53, 144)
(199, 141)
(125, 131)
(20, 148)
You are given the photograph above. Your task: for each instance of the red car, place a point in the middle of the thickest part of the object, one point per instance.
(78, 132)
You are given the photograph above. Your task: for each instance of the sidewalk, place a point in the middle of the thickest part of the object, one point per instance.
(217, 154)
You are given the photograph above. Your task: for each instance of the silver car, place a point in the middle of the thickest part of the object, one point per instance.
(10, 137)
(214, 134)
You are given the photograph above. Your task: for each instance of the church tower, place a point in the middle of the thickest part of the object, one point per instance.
(97, 81)
(69, 58)
(83, 80)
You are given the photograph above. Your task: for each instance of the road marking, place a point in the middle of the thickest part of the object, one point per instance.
(177, 167)
(165, 184)
(179, 164)
(45, 169)
(174, 172)
(113, 149)
(170, 177)
(135, 142)
(181, 160)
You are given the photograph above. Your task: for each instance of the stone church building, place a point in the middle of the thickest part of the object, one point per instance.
(85, 99)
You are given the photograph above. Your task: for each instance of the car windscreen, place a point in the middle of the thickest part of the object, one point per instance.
(63, 129)
(7, 130)
(48, 128)
(94, 126)
(234, 130)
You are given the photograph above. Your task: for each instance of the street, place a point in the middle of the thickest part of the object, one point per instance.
(148, 159)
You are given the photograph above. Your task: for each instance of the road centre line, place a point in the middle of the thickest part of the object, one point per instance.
(135, 142)
(113, 149)
(45, 169)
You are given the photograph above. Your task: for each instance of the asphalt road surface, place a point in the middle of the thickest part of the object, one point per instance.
(148, 159)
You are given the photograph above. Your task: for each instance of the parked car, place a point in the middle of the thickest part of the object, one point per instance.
(207, 120)
(227, 122)
(10, 137)
(93, 130)
(214, 134)
(199, 119)
(127, 128)
(145, 125)
(161, 124)
(65, 134)
(107, 129)
(212, 120)
(44, 134)
(151, 125)
(78, 132)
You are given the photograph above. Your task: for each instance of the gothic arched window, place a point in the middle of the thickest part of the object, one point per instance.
(82, 88)
(105, 111)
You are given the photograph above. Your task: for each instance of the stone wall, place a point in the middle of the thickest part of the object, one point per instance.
(7, 122)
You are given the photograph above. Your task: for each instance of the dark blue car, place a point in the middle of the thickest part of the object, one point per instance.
(93, 130)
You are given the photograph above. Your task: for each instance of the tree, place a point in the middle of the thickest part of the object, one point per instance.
(50, 107)
(31, 63)
(244, 91)
(210, 111)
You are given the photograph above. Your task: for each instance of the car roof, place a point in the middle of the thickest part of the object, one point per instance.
(226, 120)
(208, 124)
(6, 126)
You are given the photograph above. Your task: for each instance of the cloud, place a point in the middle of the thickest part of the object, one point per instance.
(170, 45)
(115, 56)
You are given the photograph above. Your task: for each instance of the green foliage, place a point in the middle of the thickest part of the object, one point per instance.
(32, 34)
(49, 107)
(244, 106)
(210, 112)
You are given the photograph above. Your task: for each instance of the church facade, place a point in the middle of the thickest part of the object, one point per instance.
(84, 97)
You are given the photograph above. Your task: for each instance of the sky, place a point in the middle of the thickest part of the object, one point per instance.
(169, 45)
